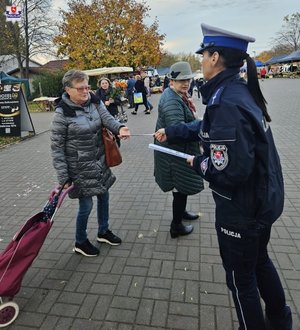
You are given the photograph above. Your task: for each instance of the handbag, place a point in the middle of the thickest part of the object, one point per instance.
(113, 155)
(137, 98)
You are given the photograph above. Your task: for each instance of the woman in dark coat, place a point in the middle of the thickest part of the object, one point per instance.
(173, 173)
(105, 94)
(140, 88)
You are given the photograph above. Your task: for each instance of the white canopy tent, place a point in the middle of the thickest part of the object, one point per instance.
(105, 70)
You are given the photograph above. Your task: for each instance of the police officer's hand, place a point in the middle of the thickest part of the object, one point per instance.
(160, 135)
(190, 160)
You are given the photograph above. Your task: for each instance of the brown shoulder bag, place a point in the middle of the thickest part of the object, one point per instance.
(113, 156)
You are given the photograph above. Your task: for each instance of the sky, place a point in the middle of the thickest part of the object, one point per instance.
(180, 20)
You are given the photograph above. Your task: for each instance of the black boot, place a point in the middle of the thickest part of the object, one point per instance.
(178, 229)
(189, 216)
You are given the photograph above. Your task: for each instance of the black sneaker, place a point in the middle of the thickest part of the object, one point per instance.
(109, 238)
(87, 249)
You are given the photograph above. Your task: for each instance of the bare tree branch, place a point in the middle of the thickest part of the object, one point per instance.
(289, 35)
(32, 36)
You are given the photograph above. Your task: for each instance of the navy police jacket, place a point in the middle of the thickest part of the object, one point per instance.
(240, 160)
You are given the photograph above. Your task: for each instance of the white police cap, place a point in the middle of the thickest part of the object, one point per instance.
(216, 37)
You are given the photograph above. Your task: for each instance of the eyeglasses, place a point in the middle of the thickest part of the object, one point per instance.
(81, 89)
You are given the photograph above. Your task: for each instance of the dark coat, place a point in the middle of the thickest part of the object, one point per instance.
(240, 160)
(170, 171)
(105, 95)
(140, 87)
(130, 85)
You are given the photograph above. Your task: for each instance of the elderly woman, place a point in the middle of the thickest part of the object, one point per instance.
(79, 157)
(173, 173)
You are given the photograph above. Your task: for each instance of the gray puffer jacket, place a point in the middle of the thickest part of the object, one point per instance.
(172, 172)
(77, 148)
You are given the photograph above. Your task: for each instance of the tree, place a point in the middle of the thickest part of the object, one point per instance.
(288, 37)
(193, 59)
(265, 56)
(6, 44)
(49, 82)
(32, 36)
(168, 59)
(108, 33)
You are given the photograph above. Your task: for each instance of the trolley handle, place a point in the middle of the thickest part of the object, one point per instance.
(61, 193)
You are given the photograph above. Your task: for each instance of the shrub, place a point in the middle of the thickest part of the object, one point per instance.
(50, 83)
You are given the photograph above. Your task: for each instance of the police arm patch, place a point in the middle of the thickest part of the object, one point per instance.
(219, 156)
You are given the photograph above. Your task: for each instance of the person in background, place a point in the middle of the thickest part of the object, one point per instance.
(192, 85)
(242, 166)
(140, 88)
(157, 81)
(105, 94)
(130, 90)
(78, 156)
(166, 82)
(199, 83)
(263, 73)
(173, 173)
(147, 83)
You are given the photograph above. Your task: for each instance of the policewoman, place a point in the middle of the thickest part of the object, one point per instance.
(243, 169)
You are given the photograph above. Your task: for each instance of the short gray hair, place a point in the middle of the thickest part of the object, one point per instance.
(73, 75)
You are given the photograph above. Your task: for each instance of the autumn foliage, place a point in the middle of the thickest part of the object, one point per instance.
(108, 33)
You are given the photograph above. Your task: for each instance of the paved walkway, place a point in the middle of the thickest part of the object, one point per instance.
(151, 281)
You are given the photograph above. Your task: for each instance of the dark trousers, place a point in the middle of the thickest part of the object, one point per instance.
(130, 99)
(178, 206)
(250, 274)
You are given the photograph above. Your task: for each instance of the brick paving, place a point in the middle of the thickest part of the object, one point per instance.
(150, 281)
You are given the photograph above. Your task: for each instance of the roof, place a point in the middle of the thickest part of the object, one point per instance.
(109, 70)
(9, 63)
(32, 70)
(5, 58)
(56, 64)
(163, 71)
(259, 63)
(7, 79)
(4, 77)
(293, 57)
(275, 59)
